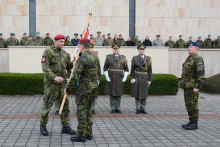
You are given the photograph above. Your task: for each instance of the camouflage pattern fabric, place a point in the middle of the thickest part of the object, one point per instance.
(188, 43)
(3, 43)
(209, 43)
(217, 43)
(68, 43)
(29, 43)
(108, 42)
(23, 41)
(48, 41)
(180, 43)
(39, 41)
(170, 43)
(120, 42)
(12, 42)
(201, 44)
(137, 42)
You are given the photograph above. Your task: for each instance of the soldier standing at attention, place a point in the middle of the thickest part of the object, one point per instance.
(189, 41)
(158, 41)
(75, 40)
(191, 81)
(24, 39)
(47, 40)
(67, 41)
(180, 43)
(208, 43)
(109, 41)
(39, 41)
(3, 43)
(55, 63)
(99, 41)
(217, 42)
(86, 72)
(141, 77)
(120, 41)
(200, 42)
(116, 72)
(136, 41)
(12, 41)
(170, 43)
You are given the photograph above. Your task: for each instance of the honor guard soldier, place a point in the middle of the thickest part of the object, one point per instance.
(141, 77)
(116, 72)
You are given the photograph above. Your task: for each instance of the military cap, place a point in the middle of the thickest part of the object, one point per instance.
(90, 35)
(180, 35)
(190, 36)
(75, 34)
(170, 36)
(108, 34)
(157, 35)
(199, 37)
(91, 45)
(142, 46)
(115, 46)
(59, 37)
(1, 34)
(25, 34)
(12, 34)
(67, 36)
(81, 35)
(192, 44)
(218, 35)
(84, 40)
(120, 35)
(29, 36)
(98, 32)
(103, 35)
(48, 34)
(209, 35)
(136, 36)
(36, 33)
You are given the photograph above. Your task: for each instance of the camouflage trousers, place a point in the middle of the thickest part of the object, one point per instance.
(54, 92)
(84, 114)
(191, 103)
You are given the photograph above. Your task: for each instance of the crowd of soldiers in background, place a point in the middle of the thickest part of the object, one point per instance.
(102, 40)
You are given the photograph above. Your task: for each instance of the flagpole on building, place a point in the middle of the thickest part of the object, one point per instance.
(65, 95)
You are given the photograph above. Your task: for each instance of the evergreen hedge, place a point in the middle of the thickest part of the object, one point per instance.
(212, 84)
(29, 84)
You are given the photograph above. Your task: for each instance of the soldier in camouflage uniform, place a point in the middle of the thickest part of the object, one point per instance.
(99, 41)
(189, 41)
(47, 40)
(86, 72)
(170, 43)
(3, 43)
(180, 43)
(141, 77)
(200, 42)
(55, 63)
(24, 39)
(208, 42)
(217, 42)
(120, 41)
(158, 41)
(191, 81)
(136, 41)
(109, 41)
(67, 41)
(29, 42)
(116, 72)
(12, 41)
(39, 41)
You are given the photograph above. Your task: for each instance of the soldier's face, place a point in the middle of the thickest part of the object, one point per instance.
(48, 35)
(209, 37)
(29, 38)
(116, 51)
(25, 36)
(192, 50)
(13, 36)
(1, 36)
(141, 52)
(109, 36)
(115, 36)
(59, 43)
(170, 38)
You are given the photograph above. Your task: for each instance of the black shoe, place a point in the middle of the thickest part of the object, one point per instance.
(56, 112)
(68, 130)
(137, 111)
(143, 111)
(93, 112)
(192, 126)
(113, 111)
(43, 130)
(89, 137)
(185, 125)
(78, 139)
(118, 111)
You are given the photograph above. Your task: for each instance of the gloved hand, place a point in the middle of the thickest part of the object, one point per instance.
(125, 76)
(132, 81)
(149, 82)
(106, 76)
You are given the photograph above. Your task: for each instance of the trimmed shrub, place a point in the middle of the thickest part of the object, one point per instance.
(29, 84)
(212, 84)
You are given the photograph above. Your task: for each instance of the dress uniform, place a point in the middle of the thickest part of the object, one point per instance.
(116, 72)
(86, 72)
(55, 62)
(191, 81)
(141, 77)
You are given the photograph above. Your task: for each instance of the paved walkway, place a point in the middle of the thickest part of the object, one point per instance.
(19, 123)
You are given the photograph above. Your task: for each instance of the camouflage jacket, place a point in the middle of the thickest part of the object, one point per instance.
(3, 43)
(99, 41)
(48, 41)
(180, 43)
(108, 42)
(55, 63)
(86, 72)
(208, 43)
(193, 72)
(68, 43)
(39, 41)
(201, 44)
(23, 41)
(12, 42)
(217, 43)
(137, 42)
(170, 43)
(121, 42)
(29, 43)
(188, 42)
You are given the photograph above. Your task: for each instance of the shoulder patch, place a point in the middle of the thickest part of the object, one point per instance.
(43, 59)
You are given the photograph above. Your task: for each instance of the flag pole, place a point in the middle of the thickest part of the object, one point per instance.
(65, 95)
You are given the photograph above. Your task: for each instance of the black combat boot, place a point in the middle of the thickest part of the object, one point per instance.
(137, 111)
(93, 112)
(118, 111)
(78, 139)
(192, 126)
(43, 130)
(56, 112)
(143, 111)
(89, 137)
(185, 125)
(68, 130)
(113, 111)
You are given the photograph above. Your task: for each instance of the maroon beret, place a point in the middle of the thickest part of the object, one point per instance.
(84, 40)
(48, 34)
(59, 37)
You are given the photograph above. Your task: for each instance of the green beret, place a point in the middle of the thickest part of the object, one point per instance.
(190, 36)
(209, 35)
(142, 46)
(12, 34)
(67, 36)
(115, 46)
(36, 33)
(29, 36)
(136, 36)
(199, 37)
(91, 45)
(219, 36)
(1, 34)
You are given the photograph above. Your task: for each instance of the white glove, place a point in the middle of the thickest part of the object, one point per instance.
(106, 76)
(149, 82)
(98, 82)
(132, 81)
(125, 76)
